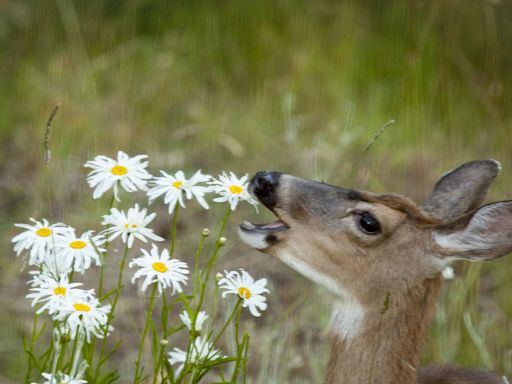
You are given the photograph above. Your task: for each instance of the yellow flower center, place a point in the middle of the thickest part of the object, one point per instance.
(82, 307)
(160, 267)
(60, 291)
(177, 184)
(119, 170)
(244, 293)
(78, 244)
(133, 226)
(235, 189)
(44, 232)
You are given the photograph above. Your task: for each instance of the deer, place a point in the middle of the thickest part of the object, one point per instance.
(381, 256)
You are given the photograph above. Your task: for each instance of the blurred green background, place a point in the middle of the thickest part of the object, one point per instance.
(296, 86)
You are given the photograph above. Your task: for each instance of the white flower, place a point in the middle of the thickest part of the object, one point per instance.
(174, 187)
(232, 189)
(202, 351)
(250, 291)
(53, 264)
(158, 268)
(54, 292)
(448, 273)
(129, 225)
(130, 172)
(39, 238)
(61, 378)
(85, 314)
(78, 251)
(201, 318)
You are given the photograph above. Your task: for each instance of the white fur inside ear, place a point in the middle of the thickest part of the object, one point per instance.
(474, 237)
(457, 243)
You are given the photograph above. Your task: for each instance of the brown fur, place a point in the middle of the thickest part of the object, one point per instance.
(387, 348)
(403, 204)
(386, 281)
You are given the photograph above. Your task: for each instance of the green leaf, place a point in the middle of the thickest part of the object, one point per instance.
(115, 348)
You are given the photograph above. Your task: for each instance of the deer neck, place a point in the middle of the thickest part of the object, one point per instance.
(385, 346)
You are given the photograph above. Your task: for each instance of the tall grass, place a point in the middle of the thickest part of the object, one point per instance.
(296, 86)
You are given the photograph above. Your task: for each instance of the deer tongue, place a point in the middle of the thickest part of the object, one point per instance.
(277, 225)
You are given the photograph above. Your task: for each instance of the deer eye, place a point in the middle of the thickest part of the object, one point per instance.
(367, 223)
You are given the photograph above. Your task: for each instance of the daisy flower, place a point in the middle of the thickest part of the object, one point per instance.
(201, 318)
(129, 225)
(61, 378)
(159, 268)
(54, 292)
(129, 172)
(202, 351)
(53, 264)
(39, 238)
(232, 189)
(250, 291)
(175, 187)
(85, 314)
(78, 251)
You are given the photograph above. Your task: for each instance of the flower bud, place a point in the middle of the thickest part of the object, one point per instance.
(222, 241)
(205, 232)
(164, 342)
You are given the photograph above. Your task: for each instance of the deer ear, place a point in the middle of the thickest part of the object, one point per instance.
(488, 234)
(461, 190)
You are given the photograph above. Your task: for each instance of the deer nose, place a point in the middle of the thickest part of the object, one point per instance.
(264, 186)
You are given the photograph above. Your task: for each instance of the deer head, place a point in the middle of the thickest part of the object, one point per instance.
(367, 248)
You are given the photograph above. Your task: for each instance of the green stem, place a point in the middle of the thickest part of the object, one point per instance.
(62, 353)
(246, 355)
(58, 352)
(76, 354)
(144, 333)
(31, 349)
(235, 309)
(102, 267)
(213, 258)
(174, 226)
(111, 314)
(224, 221)
(239, 348)
(158, 364)
(165, 312)
(199, 250)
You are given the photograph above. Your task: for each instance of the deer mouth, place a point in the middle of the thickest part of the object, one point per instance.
(276, 226)
(262, 236)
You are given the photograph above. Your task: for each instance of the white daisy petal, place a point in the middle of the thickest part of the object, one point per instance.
(54, 292)
(61, 378)
(107, 173)
(39, 239)
(84, 314)
(159, 268)
(201, 318)
(232, 189)
(129, 225)
(79, 251)
(174, 187)
(201, 352)
(250, 291)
